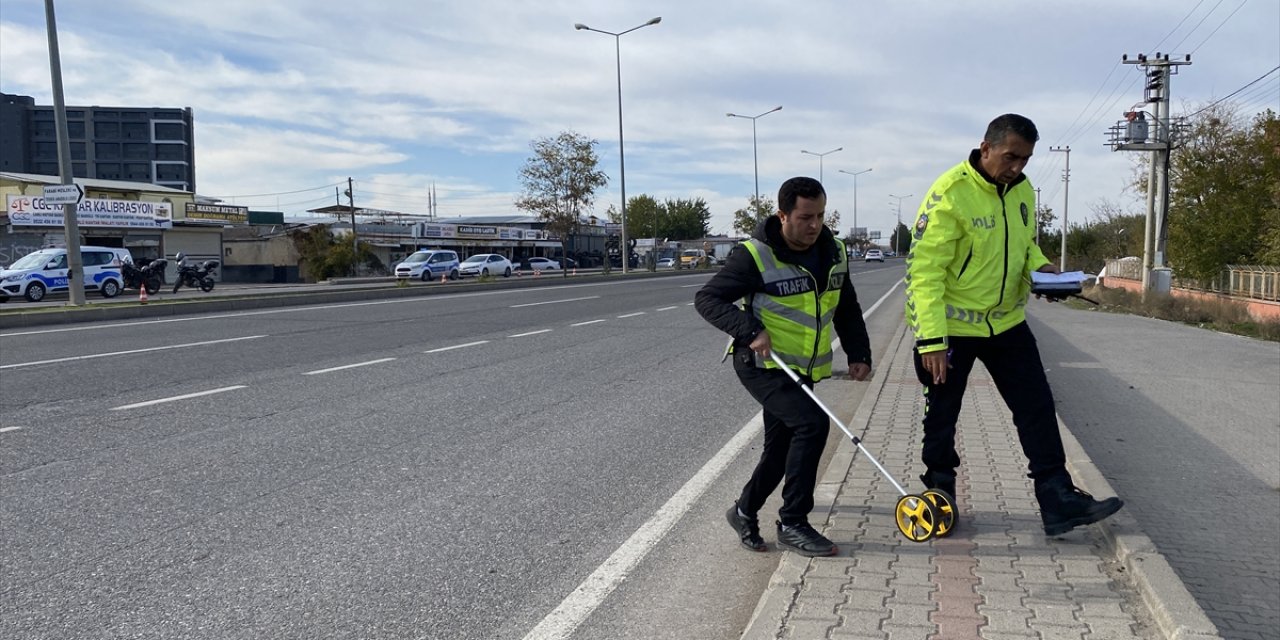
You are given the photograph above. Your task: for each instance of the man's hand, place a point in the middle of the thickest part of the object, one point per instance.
(860, 371)
(1049, 268)
(935, 362)
(761, 344)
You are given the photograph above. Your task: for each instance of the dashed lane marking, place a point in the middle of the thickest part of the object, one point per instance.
(122, 353)
(579, 324)
(530, 333)
(348, 366)
(457, 346)
(187, 396)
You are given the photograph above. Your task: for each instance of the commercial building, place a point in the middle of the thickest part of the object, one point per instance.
(131, 144)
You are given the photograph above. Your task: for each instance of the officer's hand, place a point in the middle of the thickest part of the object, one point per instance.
(1049, 268)
(761, 344)
(935, 362)
(860, 371)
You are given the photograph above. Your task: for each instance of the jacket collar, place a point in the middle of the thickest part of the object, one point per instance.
(975, 162)
(770, 232)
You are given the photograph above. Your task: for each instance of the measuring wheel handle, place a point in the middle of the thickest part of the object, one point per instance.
(917, 517)
(946, 507)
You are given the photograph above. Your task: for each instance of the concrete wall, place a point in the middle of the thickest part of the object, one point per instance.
(1260, 310)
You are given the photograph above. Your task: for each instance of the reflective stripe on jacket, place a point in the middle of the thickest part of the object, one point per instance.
(797, 317)
(972, 252)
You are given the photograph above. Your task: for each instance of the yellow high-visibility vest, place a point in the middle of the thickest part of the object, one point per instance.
(796, 316)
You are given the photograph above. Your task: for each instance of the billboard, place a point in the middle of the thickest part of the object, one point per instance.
(33, 211)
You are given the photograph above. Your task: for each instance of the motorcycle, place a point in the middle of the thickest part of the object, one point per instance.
(148, 275)
(193, 276)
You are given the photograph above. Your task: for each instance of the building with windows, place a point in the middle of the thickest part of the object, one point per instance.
(132, 144)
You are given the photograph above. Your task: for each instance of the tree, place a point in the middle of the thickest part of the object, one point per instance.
(746, 219)
(560, 181)
(832, 221)
(1224, 202)
(324, 257)
(690, 219)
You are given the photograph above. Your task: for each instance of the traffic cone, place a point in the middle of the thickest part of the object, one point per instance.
(575, 271)
(443, 277)
(142, 294)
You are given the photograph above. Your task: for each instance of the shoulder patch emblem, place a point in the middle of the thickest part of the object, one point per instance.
(921, 225)
(1024, 213)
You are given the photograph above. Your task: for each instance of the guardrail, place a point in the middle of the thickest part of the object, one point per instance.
(1255, 282)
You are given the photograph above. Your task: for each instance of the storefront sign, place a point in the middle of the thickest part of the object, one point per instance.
(34, 211)
(217, 213)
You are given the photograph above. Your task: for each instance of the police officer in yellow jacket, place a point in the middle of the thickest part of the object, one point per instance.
(793, 280)
(968, 278)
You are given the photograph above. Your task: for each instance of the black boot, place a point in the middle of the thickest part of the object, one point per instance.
(941, 481)
(1064, 507)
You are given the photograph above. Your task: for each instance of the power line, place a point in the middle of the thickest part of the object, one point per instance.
(282, 193)
(1193, 29)
(1219, 26)
(1229, 95)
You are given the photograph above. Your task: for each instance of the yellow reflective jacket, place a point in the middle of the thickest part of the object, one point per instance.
(797, 313)
(972, 252)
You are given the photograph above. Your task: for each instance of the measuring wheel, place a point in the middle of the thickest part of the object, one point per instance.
(917, 517)
(946, 507)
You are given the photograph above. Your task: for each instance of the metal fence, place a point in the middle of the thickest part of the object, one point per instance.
(1258, 282)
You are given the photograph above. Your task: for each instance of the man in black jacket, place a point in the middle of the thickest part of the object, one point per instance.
(792, 278)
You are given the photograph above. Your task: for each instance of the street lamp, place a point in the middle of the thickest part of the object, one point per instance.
(622, 164)
(897, 231)
(754, 156)
(820, 157)
(855, 175)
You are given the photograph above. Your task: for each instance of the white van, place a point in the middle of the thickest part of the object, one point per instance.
(39, 273)
(429, 264)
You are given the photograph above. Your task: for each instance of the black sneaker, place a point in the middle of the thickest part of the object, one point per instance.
(1064, 507)
(937, 480)
(805, 540)
(748, 529)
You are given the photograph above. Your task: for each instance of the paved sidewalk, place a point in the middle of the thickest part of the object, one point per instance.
(998, 576)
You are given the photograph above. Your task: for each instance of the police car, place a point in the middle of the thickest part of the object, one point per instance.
(45, 271)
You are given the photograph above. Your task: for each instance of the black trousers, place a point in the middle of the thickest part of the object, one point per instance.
(1013, 361)
(795, 433)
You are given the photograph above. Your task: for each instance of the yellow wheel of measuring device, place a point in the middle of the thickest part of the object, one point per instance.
(917, 518)
(946, 507)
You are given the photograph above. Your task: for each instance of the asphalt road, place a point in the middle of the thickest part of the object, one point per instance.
(1185, 425)
(454, 466)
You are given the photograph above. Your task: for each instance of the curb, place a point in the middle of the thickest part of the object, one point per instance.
(1176, 613)
(776, 602)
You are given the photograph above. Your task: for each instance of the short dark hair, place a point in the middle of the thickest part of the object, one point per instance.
(1008, 123)
(799, 187)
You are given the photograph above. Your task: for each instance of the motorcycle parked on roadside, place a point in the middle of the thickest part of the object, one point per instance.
(193, 276)
(148, 275)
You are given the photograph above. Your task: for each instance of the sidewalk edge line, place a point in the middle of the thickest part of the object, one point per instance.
(1176, 613)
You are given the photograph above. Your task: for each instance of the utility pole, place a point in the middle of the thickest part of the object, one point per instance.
(70, 222)
(897, 231)
(1134, 134)
(1066, 196)
(1037, 216)
(355, 239)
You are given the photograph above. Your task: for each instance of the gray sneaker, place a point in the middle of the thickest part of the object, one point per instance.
(805, 540)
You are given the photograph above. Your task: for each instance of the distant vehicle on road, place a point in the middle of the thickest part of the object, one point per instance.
(666, 263)
(429, 264)
(485, 264)
(874, 254)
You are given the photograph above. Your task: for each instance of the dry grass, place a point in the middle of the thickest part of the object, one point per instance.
(1220, 315)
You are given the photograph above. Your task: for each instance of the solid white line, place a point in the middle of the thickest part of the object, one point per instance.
(668, 308)
(456, 346)
(4, 429)
(176, 398)
(631, 315)
(530, 333)
(534, 304)
(122, 353)
(348, 366)
(686, 286)
(579, 604)
(579, 324)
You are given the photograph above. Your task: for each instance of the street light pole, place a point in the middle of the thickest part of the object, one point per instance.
(622, 164)
(855, 175)
(820, 157)
(754, 155)
(897, 231)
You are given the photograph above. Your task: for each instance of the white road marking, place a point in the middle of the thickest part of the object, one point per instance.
(579, 324)
(579, 604)
(176, 398)
(686, 286)
(456, 346)
(631, 315)
(668, 308)
(122, 353)
(4, 429)
(534, 304)
(348, 366)
(530, 333)
(583, 601)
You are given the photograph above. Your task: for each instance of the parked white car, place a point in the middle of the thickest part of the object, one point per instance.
(543, 264)
(44, 271)
(485, 264)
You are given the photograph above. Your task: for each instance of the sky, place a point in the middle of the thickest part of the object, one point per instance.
(292, 97)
